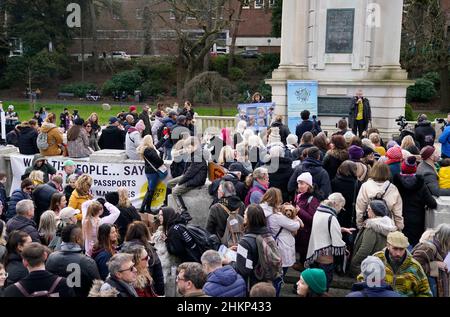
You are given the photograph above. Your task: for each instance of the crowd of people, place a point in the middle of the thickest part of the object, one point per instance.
(319, 203)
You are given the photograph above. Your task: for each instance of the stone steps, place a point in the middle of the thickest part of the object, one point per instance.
(339, 282)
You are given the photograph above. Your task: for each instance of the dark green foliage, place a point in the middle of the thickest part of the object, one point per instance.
(127, 81)
(79, 89)
(409, 113)
(423, 91)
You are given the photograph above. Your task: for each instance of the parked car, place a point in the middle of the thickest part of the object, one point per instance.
(120, 55)
(250, 54)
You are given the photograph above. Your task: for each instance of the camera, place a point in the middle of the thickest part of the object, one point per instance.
(443, 122)
(401, 121)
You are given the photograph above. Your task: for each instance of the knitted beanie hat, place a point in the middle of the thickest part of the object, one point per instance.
(316, 280)
(409, 165)
(394, 155)
(306, 178)
(355, 153)
(379, 208)
(427, 152)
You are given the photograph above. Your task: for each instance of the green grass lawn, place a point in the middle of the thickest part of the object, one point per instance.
(23, 109)
(431, 115)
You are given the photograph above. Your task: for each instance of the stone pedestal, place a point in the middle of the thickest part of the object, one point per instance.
(371, 62)
(5, 165)
(441, 214)
(108, 156)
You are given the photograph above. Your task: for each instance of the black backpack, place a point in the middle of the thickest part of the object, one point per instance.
(316, 129)
(202, 238)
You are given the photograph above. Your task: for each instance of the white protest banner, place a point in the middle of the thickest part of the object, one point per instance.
(108, 177)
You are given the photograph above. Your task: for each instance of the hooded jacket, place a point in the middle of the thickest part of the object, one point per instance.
(16, 196)
(319, 175)
(363, 290)
(54, 139)
(415, 196)
(23, 224)
(409, 280)
(59, 261)
(45, 168)
(217, 219)
(27, 140)
(112, 138)
(370, 190)
(132, 141)
(372, 238)
(424, 134)
(225, 282)
(307, 205)
(15, 268)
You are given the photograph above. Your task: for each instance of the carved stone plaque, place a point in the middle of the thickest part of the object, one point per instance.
(340, 27)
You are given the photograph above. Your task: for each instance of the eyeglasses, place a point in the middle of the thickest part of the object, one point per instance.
(131, 269)
(178, 278)
(145, 258)
(5, 275)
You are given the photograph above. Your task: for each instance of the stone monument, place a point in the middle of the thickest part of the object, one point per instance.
(345, 45)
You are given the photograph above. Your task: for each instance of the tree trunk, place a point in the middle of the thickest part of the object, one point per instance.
(234, 37)
(94, 35)
(180, 71)
(147, 25)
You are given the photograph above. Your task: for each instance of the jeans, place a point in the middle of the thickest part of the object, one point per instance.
(328, 269)
(278, 283)
(433, 285)
(153, 180)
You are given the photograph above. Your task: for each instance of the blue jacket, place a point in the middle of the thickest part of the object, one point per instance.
(101, 257)
(16, 196)
(225, 282)
(444, 139)
(395, 169)
(363, 290)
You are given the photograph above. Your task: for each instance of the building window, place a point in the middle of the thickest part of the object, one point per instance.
(139, 14)
(171, 15)
(115, 15)
(246, 4)
(259, 4)
(271, 3)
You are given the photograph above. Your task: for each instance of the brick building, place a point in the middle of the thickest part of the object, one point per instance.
(127, 31)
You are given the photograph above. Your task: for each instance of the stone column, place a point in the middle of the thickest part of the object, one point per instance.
(301, 33)
(387, 41)
(287, 31)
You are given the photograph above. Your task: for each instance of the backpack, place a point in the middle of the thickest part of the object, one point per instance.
(249, 194)
(269, 265)
(202, 238)
(234, 229)
(42, 141)
(380, 197)
(49, 293)
(316, 129)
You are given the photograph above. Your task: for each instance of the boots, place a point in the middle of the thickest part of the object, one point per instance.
(180, 202)
(147, 202)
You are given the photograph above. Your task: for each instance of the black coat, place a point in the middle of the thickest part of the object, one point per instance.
(424, 134)
(123, 291)
(332, 161)
(152, 156)
(127, 216)
(195, 172)
(40, 281)
(241, 190)
(217, 218)
(16, 196)
(23, 224)
(42, 196)
(280, 178)
(27, 141)
(112, 138)
(367, 112)
(298, 152)
(304, 126)
(15, 268)
(349, 188)
(58, 263)
(319, 175)
(148, 126)
(284, 131)
(415, 196)
(179, 243)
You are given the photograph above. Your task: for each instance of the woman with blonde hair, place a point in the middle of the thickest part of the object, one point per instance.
(81, 192)
(226, 156)
(128, 212)
(37, 177)
(155, 170)
(409, 145)
(92, 210)
(47, 227)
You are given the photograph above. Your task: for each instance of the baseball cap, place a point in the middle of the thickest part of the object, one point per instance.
(67, 213)
(69, 163)
(113, 120)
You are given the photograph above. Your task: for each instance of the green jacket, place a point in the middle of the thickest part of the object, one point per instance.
(410, 279)
(371, 239)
